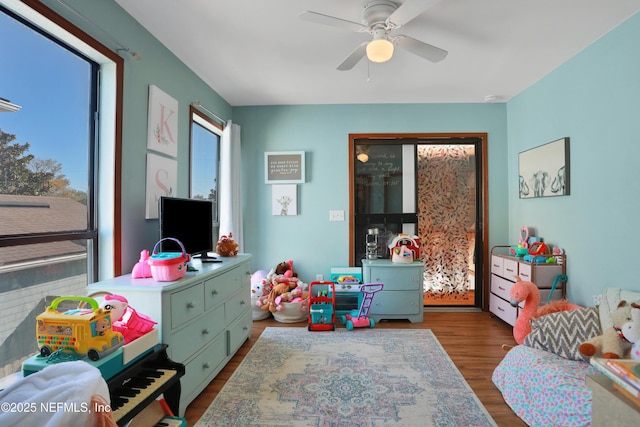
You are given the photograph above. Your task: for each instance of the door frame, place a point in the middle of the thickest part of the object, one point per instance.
(482, 208)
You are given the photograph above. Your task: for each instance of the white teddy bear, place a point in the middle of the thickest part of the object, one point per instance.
(631, 331)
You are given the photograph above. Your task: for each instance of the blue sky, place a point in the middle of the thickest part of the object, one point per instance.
(50, 84)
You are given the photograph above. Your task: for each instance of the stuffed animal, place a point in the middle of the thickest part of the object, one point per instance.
(631, 331)
(611, 344)
(258, 288)
(279, 289)
(295, 295)
(286, 268)
(226, 246)
(117, 304)
(530, 294)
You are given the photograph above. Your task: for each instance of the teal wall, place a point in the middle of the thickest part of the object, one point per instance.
(322, 132)
(593, 100)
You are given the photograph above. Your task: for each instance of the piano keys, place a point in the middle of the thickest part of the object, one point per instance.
(141, 383)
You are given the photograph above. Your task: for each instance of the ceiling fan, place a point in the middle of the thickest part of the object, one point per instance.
(380, 18)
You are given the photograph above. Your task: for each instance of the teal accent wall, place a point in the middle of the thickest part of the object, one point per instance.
(594, 100)
(322, 131)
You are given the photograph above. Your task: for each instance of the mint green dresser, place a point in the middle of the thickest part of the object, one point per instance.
(204, 317)
(402, 296)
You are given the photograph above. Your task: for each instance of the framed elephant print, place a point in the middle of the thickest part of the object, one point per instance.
(544, 171)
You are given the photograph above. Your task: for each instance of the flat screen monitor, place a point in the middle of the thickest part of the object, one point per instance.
(191, 222)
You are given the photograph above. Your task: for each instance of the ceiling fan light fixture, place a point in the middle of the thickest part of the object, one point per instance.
(379, 50)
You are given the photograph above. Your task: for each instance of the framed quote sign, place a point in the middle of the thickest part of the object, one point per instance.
(284, 167)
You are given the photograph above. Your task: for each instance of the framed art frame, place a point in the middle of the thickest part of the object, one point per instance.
(284, 200)
(162, 180)
(284, 167)
(544, 170)
(162, 132)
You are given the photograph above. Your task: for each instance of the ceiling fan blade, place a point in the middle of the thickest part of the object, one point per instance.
(409, 10)
(319, 18)
(353, 58)
(423, 50)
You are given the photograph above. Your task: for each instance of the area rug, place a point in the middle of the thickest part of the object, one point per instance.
(365, 377)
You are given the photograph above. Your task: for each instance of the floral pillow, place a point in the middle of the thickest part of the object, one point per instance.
(563, 332)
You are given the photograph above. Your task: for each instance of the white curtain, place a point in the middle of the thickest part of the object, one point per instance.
(230, 185)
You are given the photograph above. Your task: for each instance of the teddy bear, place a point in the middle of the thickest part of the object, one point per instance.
(631, 331)
(226, 246)
(286, 268)
(611, 344)
(279, 289)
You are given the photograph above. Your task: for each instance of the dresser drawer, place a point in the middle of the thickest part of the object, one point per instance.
(501, 287)
(186, 304)
(524, 271)
(497, 265)
(188, 340)
(543, 275)
(216, 291)
(510, 267)
(398, 278)
(237, 303)
(203, 368)
(502, 309)
(396, 303)
(239, 331)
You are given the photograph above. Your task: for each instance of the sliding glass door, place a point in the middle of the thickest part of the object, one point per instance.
(431, 186)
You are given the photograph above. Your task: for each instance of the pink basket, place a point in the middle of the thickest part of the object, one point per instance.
(168, 266)
(137, 321)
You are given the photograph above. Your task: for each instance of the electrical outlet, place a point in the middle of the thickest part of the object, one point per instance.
(336, 215)
(319, 277)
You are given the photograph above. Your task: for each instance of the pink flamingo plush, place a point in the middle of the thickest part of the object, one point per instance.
(530, 294)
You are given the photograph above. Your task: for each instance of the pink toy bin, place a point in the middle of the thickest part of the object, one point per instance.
(168, 266)
(137, 321)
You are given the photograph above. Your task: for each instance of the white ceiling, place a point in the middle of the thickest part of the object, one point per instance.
(259, 52)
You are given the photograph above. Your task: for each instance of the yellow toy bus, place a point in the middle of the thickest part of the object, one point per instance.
(80, 331)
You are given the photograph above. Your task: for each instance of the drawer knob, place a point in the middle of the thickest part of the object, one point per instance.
(205, 365)
(242, 302)
(205, 332)
(190, 304)
(214, 292)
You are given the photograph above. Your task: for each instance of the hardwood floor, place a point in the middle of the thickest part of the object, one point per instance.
(472, 339)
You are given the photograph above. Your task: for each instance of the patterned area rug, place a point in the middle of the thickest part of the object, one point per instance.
(366, 377)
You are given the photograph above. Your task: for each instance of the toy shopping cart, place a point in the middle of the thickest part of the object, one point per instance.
(322, 306)
(359, 318)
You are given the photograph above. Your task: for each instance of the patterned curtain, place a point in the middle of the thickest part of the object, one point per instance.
(446, 214)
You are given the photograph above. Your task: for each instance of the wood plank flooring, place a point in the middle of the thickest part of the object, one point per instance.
(472, 339)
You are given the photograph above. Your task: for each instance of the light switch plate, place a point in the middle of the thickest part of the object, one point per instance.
(336, 215)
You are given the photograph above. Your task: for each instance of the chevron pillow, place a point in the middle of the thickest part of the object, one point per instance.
(563, 332)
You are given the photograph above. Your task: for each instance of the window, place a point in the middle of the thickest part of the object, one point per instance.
(49, 168)
(205, 155)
